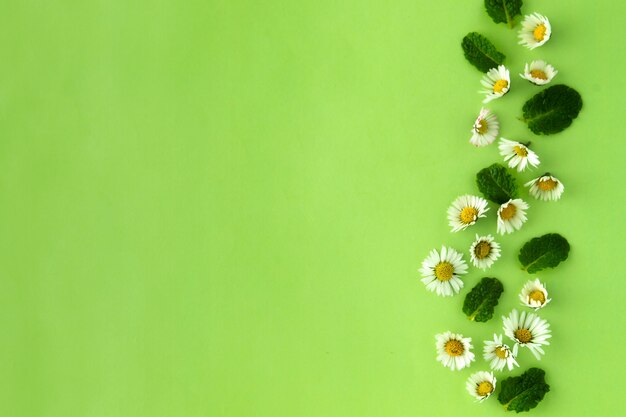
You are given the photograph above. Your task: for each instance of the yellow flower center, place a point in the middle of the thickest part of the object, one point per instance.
(537, 295)
(537, 73)
(484, 388)
(547, 184)
(523, 335)
(454, 347)
(468, 215)
(482, 249)
(520, 151)
(540, 32)
(482, 127)
(508, 212)
(444, 271)
(500, 85)
(501, 352)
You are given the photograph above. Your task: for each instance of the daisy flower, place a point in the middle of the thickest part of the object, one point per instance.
(485, 129)
(517, 154)
(535, 31)
(498, 354)
(496, 82)
(534, 294)
(465, 210)
(539, 72)
(481, 385)
(441, 271)
(484, 251)
(454, 350)
(546, 188)
(511, 216)
(527, 330)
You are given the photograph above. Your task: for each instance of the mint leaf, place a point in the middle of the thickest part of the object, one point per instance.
(496, 184)
(480, 52)
(503, 11)
(482, 299)
(552, 110)
(543, 252)
(521, 393)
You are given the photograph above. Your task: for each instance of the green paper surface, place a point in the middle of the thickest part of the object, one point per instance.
(219, 208)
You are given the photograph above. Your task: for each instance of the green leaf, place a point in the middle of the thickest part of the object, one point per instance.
(482, 299)
(543, 252)
(496, 184)
(480, 52)
(552, 110)
(521, 393)
(503, 11)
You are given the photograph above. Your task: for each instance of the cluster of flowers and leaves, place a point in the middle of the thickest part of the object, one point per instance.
(550, 111)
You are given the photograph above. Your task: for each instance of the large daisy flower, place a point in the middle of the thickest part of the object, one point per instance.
(534, 294)
(441, 271)
(497, 83)
(527, 330)
(454, 350)
(517, 154)
(535, 31)
(539, 72)
(465, 210)
(485, 129)
(511, 216)
(484, 251)
(498, 354)
(481, 385)
(546, 187)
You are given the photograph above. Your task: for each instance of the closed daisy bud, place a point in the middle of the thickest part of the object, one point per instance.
(536, 31)
(497, 82)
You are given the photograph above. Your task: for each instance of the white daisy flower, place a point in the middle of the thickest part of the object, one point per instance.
(539, 72)
(546, 187)
(454, 350)
(441, 271)
(498, 354)
(517, 154)
(497, 83)
(484, 251)
(511, 216)
(536, 31)
(465, 211)
(481, 385)
(534, 294)
(527, 330)
(485, 129)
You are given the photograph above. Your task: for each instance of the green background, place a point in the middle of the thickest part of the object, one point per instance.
(219, 208)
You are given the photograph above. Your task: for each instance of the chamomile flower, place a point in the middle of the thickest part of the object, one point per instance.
(511, 216)
(441, 271)
(484, 251)
(527, 330)
(546, 187)
(485, 129)
(534, 294)
(498, 354)
(536, 31)
(465, 211)
(497, 83)
(481, 385)
(454, 350)
(517, 154)
(539, 72)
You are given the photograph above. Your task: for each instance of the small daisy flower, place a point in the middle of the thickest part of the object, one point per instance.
(441, 271)
(534, 294)
(481, 385)
(454, 350)
(517, 154)
(536, 31)
(539, 72)
(497, 82)
(546, 188)
(527, 330)
(486, 128)
(498, 354)
(511, 216)
(484, 251)
(465, 211)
